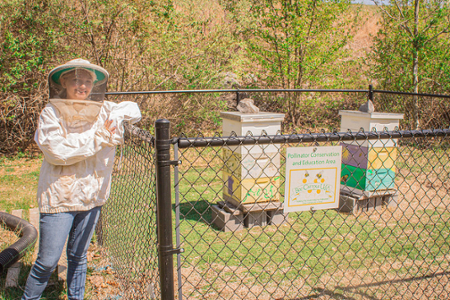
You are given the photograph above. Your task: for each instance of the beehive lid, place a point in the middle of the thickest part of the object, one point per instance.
(247, 118)
(374, 115)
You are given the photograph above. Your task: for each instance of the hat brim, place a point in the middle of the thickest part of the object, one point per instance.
(56, 75)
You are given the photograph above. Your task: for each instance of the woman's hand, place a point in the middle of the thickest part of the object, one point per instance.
(108, 127)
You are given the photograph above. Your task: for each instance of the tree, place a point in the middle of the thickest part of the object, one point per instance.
(295, 43)
(144, 45)
(28, 43)
(411, 50)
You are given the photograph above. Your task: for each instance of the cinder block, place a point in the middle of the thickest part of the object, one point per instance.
(277, 217)
(34, 220)
(378, 202)
(363, 205)
(371, 203)
(257, 218)
(225, 220)
(12, 277)
(347, 203)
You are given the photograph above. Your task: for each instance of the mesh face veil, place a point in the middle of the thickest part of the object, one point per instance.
(78, 79)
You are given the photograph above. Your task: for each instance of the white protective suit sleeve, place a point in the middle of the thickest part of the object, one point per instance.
(66, 148)
(124, 111)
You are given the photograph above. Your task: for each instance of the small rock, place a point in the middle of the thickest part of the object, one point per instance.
(231, 99)
(367, 107)
(247, 106)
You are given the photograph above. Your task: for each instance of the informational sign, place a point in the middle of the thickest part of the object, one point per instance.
(312, 178)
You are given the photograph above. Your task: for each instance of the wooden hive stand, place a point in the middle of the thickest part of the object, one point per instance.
(248, 215)
(354, 200)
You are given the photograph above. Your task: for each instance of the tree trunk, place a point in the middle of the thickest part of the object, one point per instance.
(416, 89)
(415, 66)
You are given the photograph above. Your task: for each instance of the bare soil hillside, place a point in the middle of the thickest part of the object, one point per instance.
(365, 31)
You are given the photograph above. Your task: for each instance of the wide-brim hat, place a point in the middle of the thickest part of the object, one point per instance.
(99, 75)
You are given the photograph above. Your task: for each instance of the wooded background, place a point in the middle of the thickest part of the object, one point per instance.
(215, 44)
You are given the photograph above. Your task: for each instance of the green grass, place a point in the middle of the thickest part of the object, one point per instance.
(312, 249)
(18, 183)
(312, 245)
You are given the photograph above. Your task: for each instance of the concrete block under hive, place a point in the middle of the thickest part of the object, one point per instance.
(367, 201)
(277, 217)
(227, 221)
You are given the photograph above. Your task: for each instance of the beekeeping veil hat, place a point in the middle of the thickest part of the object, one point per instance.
(76, 70)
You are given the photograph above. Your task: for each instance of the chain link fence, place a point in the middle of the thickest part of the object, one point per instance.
(129, 218)
(389, 238)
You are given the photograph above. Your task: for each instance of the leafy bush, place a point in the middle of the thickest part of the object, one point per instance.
(144, 45)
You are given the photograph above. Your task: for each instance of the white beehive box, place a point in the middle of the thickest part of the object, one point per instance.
(251, 172)
(257, 124)
(355, 120)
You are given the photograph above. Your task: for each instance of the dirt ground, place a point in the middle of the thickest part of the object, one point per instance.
(390, 279)
(101, 282)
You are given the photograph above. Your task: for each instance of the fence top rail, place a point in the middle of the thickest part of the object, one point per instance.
(140, 133)
(368, 91)
(217, 141)
(238, 91)
(412, 94)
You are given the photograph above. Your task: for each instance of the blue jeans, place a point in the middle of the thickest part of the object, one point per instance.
(79, 226)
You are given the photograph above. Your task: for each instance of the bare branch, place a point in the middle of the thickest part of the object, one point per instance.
(446, 30)
(397, 19)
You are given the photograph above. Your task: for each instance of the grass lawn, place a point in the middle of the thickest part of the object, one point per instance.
(313, 252)
(18, 183)
(314, 249)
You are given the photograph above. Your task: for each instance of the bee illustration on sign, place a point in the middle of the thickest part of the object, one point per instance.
(307, 184)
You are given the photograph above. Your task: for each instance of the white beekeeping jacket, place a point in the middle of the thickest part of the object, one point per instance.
(79, 152)
(78, 149)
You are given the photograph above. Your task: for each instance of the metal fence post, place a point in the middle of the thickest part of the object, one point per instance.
(164, 208)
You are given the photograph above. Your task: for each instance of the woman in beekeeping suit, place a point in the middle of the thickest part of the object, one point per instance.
(77, 132)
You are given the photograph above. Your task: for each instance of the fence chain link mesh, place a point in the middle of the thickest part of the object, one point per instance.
(389, 238)
(129, 218)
